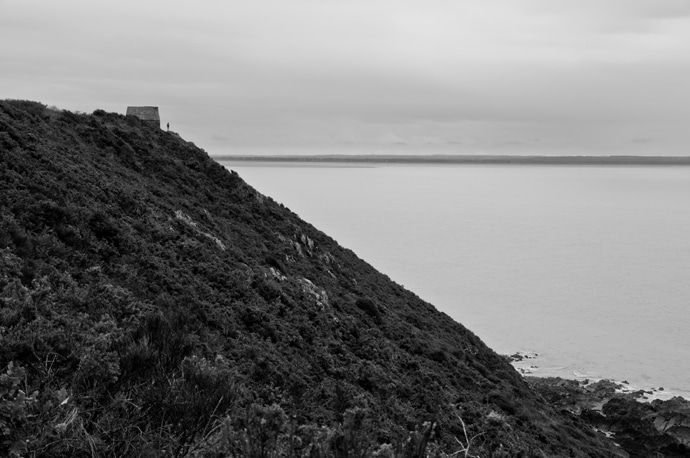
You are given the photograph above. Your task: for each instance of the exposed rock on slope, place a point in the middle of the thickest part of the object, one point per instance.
(152, 303)
(643, 429)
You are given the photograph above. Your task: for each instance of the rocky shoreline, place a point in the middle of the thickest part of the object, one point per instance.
(639, 424)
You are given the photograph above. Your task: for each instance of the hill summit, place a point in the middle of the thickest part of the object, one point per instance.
(152, 303)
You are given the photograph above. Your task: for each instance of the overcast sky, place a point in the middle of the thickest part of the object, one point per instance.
(489, 76)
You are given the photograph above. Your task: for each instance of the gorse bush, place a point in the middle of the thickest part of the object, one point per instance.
(15, 406)
(154, 304)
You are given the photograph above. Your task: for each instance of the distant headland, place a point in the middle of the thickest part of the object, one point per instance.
(465, 159)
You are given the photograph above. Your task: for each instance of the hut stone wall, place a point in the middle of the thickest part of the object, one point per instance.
(148, 114)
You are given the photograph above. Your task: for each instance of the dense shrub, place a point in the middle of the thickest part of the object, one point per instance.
(370, 308)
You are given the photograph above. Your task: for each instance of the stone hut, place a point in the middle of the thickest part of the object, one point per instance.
(147, 114)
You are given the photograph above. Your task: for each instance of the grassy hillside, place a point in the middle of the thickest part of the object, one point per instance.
(154, 304)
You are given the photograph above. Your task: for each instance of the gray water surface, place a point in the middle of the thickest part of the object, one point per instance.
(586, 265)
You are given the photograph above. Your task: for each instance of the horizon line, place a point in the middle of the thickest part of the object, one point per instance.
(461, 159)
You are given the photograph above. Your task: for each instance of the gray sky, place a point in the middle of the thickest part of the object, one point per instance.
(411, 76)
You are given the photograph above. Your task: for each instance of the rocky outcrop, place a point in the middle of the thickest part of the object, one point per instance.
(643, 429)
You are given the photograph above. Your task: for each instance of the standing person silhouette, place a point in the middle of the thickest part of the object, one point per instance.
(168, 127)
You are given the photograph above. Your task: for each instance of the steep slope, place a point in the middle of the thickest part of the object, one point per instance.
(153, 303)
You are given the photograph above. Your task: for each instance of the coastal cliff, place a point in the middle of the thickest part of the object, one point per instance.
(152, 303)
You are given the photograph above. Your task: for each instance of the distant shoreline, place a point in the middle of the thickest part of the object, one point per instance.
(464, 159)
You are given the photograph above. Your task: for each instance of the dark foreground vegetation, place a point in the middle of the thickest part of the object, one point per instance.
(154, 304)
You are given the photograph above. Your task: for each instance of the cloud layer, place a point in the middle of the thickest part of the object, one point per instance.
(590, 77)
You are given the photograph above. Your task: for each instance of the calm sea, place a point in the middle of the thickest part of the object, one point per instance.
(588, 266)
